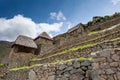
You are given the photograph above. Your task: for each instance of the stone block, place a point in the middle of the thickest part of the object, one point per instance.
(76, 64)
(114, 64)
(116, 57)
(86, 63)
(110, 71)
(51, 77)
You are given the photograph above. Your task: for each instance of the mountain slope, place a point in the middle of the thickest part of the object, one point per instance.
(4, 48)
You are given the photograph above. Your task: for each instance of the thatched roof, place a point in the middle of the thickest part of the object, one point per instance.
(74, 28)
(44, 35)
(25, 41)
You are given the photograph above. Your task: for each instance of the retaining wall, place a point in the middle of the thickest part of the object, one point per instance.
(104, 66)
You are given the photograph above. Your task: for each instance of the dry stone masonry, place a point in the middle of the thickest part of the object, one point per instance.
(73, 70)
(106, 65)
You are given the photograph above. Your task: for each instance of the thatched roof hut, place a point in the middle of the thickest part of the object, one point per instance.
(44, 35)
(25, 41)
(24, 44)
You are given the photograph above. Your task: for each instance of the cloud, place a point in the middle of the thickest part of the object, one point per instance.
(69, 25)
(20, 25)
(114, 2)
(57, 16)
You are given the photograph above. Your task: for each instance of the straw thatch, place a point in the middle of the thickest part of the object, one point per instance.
(25, 41)
(44, 35)
(75, 28)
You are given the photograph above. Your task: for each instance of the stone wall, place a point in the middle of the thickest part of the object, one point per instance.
(19, 59)
(73, 70)
(45, 47)
(106, 65)
(3, 71)
(81, 52)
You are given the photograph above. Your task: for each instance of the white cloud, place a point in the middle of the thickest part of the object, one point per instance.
(57, 16)
(114, 2)
(20, 25)
(69, 25)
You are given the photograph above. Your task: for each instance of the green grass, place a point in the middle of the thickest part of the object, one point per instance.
(100, 31)
(93, 32)
(69, 60)
(2, 65)
(56, 62)
(63, 52)
(74, 49)
(19, 68)
(24, 67)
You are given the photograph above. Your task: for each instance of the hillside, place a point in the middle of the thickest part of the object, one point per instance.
(82, 53)
(4, 48)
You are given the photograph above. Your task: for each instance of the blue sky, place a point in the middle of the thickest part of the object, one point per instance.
(30, 18)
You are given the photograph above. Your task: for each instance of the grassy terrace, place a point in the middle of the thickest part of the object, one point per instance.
(82, 46)
(96, 32)
(74, 49)
(56, 62)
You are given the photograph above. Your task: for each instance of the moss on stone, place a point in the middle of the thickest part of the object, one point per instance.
(93, 32)
(2, 65)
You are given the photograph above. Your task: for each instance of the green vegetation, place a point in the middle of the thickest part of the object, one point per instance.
(19, 68)
(56, 62)
(2, 65)
(93, 32)
(97, 19)
(24, 67)
(100, 31)
(65, 51)
(69, 60)
(74, 49)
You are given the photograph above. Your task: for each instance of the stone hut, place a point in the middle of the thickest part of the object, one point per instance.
(76, 31)
(24, 44)
(44, 42)
(60, 39)
(43, 38)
